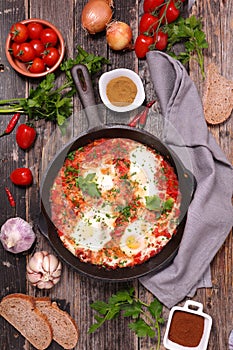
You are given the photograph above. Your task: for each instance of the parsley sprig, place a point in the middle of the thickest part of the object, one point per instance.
(146, 317)
(48, 101)
(187, 31)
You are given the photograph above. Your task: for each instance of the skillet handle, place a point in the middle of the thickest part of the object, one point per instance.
(42, 225)
(83, 84)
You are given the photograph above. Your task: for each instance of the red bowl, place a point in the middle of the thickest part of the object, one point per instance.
(21, 67)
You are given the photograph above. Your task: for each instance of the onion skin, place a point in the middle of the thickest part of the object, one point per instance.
(119, 36)
(109, 2)
(96, 14)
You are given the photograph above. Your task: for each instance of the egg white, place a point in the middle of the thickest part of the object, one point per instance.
(104, 176)
(142, 170)
(136, 237)
(93, 230)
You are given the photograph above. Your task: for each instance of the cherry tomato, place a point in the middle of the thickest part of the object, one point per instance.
(51, 56)
(148, 23)
(21, 177)
(161, 40)
(169, 12)
(25, 136)
(15, 49)
(37, 65)
(38, 47)
(48, 37)
(142, 45)
(34, 30)
(152, 5)
(26, 52)
(19, 32)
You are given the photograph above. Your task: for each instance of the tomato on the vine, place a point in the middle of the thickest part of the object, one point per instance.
(148, 23)
(37, 65)
(19, 32)
(38, 47)
(34, 30)
(169, 12)
(152, 5)
(161, 39)
(21, 177)
(48, 37)
(50, 56)
(142, 45)
(26, 52)
(25, 136)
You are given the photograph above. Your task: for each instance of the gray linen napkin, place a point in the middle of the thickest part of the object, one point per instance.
(210, 214)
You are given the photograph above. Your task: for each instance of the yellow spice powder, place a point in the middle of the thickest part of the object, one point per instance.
(121, 91)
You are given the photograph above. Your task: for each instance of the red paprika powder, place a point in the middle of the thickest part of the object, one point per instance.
(186, 329)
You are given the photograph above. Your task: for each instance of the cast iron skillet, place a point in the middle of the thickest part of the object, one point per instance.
(98, 130)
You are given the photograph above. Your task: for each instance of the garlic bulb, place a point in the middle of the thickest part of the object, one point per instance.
(17, 235)
(44, 270)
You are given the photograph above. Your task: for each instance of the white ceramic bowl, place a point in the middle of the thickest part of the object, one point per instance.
(195, 308)
(115, 73)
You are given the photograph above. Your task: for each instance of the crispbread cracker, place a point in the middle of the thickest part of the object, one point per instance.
(218, 96)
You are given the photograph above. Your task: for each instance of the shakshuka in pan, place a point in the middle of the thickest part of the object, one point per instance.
(115, 203)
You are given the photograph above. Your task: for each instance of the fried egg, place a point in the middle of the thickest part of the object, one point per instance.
(93, 230)
(104, 175)
(136, 237)
(142, 170)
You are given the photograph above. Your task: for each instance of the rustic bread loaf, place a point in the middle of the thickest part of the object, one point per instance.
(64, 328)
(217, 97)
(21, 312)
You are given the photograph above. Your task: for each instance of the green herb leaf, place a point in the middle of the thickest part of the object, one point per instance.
(153, 203)
(86, 184)
(155, 308)
(92, 62)
(168, 204)
(100, 306)
(122, 296)
(142, 329)
(132, 310)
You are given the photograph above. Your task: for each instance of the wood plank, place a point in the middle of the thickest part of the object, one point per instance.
(12, 267)
(217, 22)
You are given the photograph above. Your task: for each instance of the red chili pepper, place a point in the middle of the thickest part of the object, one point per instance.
(135, 120)
(142, 116)
(10, 197)
(11, 125)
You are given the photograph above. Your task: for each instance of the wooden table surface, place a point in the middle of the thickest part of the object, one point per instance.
(75, 292)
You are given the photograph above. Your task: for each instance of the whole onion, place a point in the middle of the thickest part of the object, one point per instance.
(119, 35)
(96, 15)
(17, 235)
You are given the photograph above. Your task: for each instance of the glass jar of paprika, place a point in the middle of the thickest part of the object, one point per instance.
(188, 327)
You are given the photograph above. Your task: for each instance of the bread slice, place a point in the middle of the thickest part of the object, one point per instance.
(20, 310)
(65, 331)
(217, 97)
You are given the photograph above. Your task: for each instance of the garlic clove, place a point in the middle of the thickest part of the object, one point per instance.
(45, 285)
(36, 261)
(56, 280)
(34, 277)
(44, 270)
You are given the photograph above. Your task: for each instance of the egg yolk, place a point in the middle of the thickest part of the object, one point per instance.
(132, 243)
